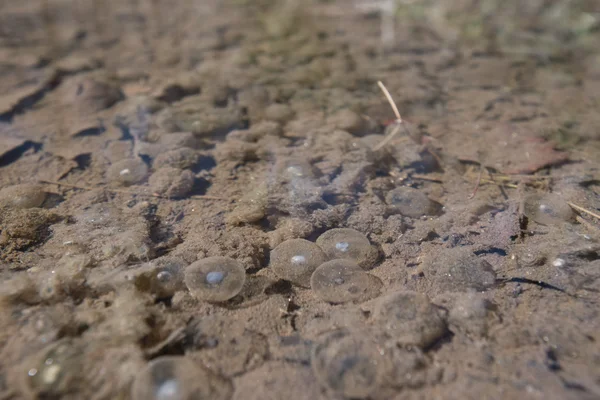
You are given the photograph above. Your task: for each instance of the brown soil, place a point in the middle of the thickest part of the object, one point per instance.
(138, 137)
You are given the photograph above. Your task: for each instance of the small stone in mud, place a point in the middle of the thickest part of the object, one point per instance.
(178, 377)
(89, 95)
(547, 209)
(182, 158)
(411, 202)
(350, 244)
(127, 172)
(409, 318)
(250, 208)
(295, 260)
(343, 281)
(350, 364)
(171, 182)
(23, 195)
(215, 279)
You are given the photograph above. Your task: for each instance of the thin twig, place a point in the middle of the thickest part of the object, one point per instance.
(583, 210)
(478, 182)
(388, 138)
(390, 100)
(399, 123)
(426, 178)
(124, 191)
(503, 184)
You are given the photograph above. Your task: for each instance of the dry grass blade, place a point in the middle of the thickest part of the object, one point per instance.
(398, 121)
(584, 210)
(388, 96)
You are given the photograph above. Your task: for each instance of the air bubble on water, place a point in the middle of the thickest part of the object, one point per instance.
(342, 281)
(348, 244)
(547, 209)
(215, 279)
(295, 260)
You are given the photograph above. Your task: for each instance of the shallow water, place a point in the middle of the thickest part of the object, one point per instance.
(139, 139)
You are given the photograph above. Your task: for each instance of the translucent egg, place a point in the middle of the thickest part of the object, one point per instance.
(162, 278)
(350, 244)
(295, 260)
(409, 318)
(178, 378)
(54, 372)
(411, 202)
(215, 279)
(350, 364)
(547, 209)
(342, 281)
(127, 172)
(22, 196)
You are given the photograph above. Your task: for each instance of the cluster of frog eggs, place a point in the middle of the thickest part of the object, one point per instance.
(334, 267)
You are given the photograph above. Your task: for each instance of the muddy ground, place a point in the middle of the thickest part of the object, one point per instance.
(138, 137)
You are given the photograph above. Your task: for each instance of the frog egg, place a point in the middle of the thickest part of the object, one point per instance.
(350, 364)
(22, 196)
(411, 202)
(409, 318)
(342, 281)
(54, 372)
(178, 378)
(162, 278)
(127, 172)
(348, 244)
(547, 209)
(295, 260)
(215, 279)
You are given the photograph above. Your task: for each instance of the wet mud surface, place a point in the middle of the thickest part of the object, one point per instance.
(199, 200)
